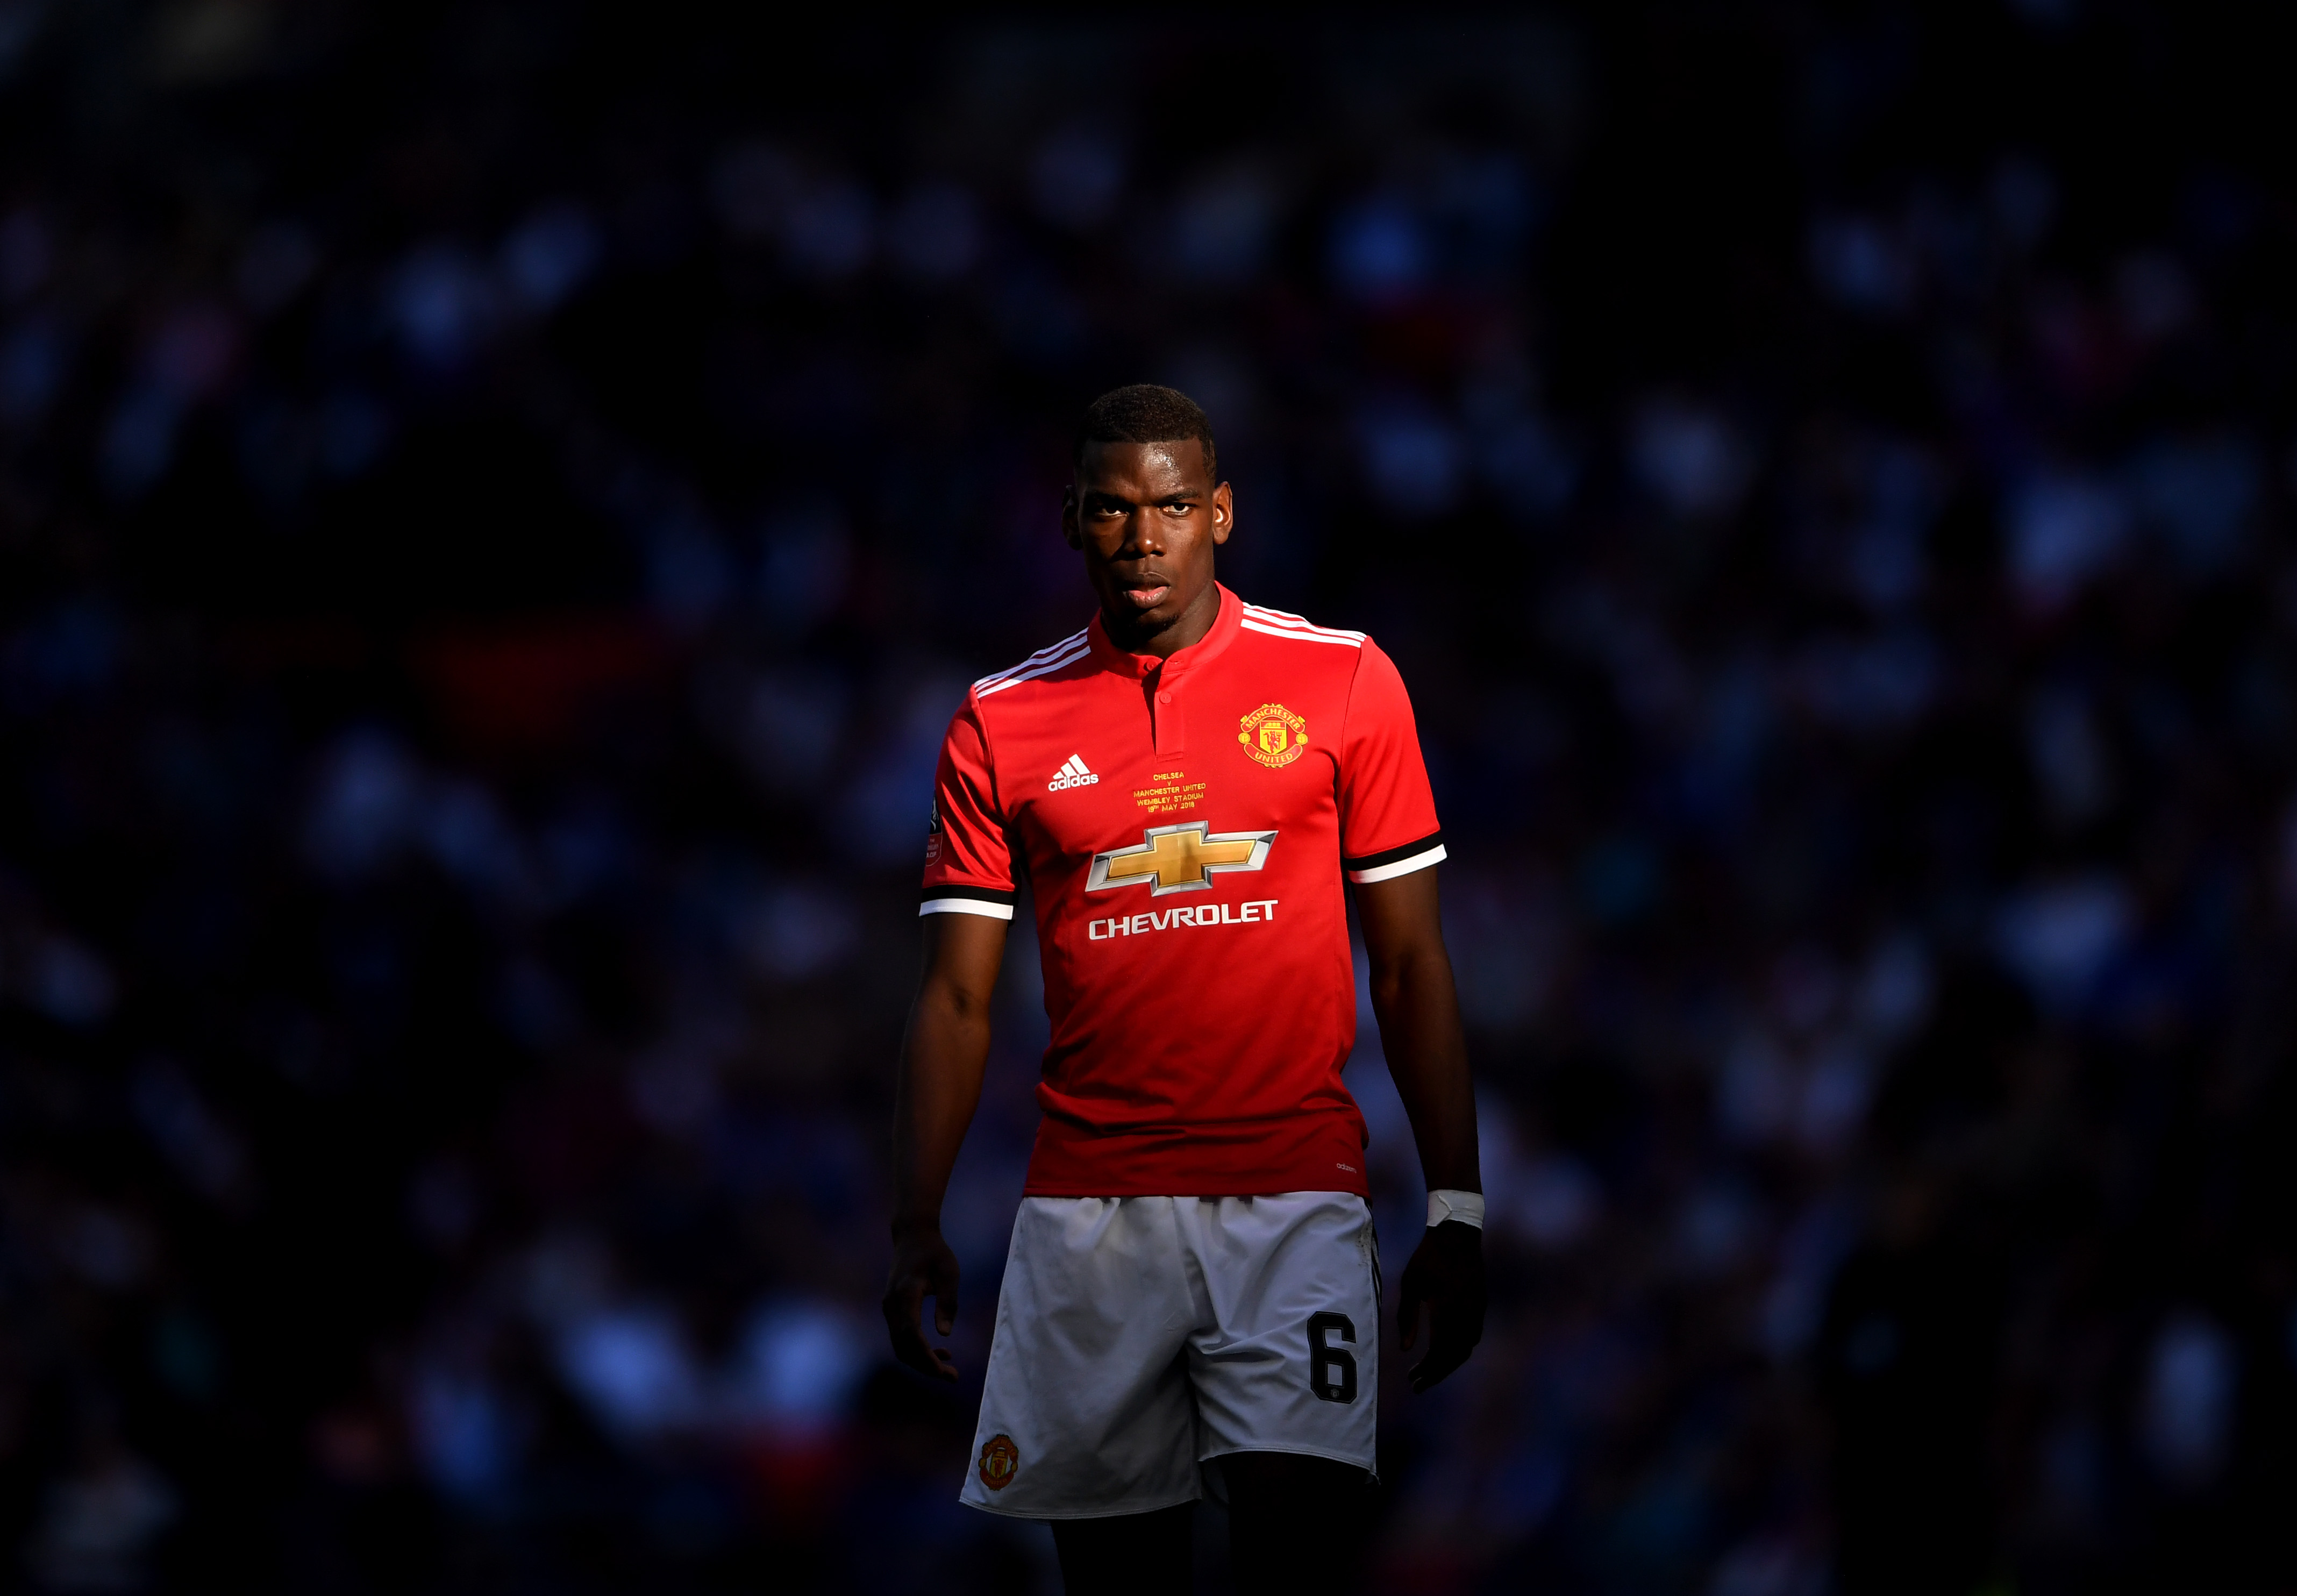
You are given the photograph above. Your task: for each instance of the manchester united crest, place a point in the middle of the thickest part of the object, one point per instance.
(1273, 735)
(1001, 1460)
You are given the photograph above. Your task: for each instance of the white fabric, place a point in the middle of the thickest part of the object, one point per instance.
(1044, 663)
(1466, 1206)
(1402, 867)
(965, 906)
(1138, 1338)
(1298, 636)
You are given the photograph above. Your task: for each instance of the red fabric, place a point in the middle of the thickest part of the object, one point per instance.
(967, 842)
(1383, 797)
(1189, 1057)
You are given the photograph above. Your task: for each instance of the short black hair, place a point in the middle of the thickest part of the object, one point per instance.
(1145, 412)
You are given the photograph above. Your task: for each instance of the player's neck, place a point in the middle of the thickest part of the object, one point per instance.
(1190, 627)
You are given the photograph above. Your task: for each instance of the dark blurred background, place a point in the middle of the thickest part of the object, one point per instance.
(498, 501)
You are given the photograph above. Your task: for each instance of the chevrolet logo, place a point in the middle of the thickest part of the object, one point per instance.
(1179, 859)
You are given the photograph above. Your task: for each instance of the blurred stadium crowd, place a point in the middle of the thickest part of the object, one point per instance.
(497, 502)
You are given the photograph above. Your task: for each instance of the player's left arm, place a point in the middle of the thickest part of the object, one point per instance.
(1418, 1007)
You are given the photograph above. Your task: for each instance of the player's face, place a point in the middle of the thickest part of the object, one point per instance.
(1146, 517)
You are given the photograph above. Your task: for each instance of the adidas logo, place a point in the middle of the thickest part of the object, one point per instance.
(1073, 775)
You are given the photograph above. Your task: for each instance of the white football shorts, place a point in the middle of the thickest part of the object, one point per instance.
(1138, 1337)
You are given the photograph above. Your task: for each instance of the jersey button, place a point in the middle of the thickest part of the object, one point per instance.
(1163, 698)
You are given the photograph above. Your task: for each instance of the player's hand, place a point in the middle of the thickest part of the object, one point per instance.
(1445, 1275)
(923, 1267)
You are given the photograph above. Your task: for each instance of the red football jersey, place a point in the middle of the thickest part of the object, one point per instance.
(1184, 823)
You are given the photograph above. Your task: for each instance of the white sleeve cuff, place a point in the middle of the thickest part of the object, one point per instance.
(965, 906)
(1402, 867)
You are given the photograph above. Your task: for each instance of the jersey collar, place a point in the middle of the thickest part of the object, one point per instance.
(1211, 645)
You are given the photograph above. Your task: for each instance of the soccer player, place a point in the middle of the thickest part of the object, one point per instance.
(1192, 1295)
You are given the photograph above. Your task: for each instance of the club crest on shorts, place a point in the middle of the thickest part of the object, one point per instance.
(1001, 1460)
(1274, 736)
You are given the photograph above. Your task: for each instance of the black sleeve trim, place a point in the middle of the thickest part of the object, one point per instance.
(979, 895)
(1372, 861)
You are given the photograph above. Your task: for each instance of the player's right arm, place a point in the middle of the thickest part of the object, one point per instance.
(966, 905)
(943, 1052)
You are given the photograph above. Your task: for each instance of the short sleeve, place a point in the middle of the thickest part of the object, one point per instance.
(968, 867)
(1387, 812)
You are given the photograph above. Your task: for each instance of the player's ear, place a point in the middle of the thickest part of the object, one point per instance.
(1224, 513)
(1071, 532)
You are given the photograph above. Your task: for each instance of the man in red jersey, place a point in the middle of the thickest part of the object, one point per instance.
(1193, 1292)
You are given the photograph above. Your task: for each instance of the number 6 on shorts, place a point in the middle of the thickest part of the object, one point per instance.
(1331, 1372)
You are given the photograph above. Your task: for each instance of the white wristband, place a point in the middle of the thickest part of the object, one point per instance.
(1466, 1206)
